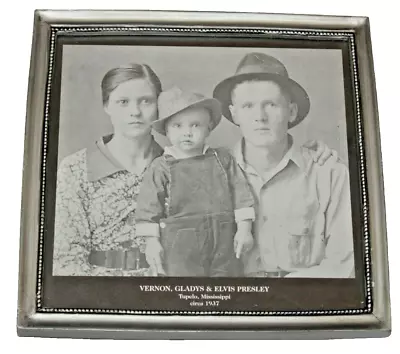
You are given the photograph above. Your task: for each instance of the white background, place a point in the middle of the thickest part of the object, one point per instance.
(16, 34)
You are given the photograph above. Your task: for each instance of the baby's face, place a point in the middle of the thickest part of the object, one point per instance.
(188, 130)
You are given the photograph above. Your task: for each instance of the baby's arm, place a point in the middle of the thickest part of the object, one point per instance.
(244, 216)
(243, 240)
(243, 202)
(149, 211)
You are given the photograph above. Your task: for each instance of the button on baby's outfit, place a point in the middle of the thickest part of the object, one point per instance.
(131, 220)
(162, 225)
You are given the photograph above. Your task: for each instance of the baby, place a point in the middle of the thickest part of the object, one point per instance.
(195, 209)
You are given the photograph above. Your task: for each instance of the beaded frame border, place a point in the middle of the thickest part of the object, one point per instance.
(350, 36)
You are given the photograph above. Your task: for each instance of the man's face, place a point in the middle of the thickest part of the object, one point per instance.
(262, 111)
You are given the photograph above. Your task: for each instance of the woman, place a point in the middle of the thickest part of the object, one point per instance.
(97, 186)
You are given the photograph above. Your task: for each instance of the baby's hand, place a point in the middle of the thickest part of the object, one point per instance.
(154, 252)
(243, 242)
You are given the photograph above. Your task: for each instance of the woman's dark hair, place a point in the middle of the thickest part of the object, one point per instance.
(117, 76)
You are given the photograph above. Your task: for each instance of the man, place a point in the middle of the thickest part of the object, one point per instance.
(303, 222)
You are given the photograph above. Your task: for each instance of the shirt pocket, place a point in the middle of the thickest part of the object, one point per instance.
(295, 246)
(300, 242)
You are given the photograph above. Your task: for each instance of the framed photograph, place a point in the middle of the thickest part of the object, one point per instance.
(202, 175)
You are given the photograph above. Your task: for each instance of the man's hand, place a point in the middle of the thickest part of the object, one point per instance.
(321, 152)
(154, 253)
(243, 241)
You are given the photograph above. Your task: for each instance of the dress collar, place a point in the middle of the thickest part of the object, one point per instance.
(101, 163)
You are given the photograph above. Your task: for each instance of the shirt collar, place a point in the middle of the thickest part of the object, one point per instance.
(295, 154)
(170, 150)
(101, 163)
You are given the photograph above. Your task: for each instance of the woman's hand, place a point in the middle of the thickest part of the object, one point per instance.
(320, 151)
(154, 253)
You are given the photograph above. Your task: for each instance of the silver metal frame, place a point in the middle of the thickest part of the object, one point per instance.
(374, 322)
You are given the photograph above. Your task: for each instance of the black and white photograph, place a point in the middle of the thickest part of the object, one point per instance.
(222, 176)
(202, 162)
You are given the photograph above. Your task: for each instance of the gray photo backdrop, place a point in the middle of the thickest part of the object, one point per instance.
(83, 120)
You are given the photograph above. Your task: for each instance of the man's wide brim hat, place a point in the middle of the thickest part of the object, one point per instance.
(259, 66)
(175, 100)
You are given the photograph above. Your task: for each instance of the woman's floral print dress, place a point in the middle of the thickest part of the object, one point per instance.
(95, 211)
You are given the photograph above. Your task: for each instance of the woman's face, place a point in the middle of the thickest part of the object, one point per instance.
(132, 107)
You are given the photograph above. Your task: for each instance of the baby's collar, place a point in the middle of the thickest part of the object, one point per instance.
(171, 150)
